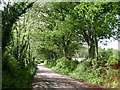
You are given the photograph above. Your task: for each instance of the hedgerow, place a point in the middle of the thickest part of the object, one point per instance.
(90, 70)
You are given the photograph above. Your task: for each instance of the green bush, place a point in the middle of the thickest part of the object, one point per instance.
(13, 76)
(112, 61)
(21, 79)
(103, 74)
(10, 63)
(91, 70)
(104, 56)
(39, 61)
(62, 65)
(6, 79)
(50, 63)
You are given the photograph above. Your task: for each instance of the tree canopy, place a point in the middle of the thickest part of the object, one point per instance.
(66, 25)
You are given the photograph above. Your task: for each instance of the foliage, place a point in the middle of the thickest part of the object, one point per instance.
(62, 65)
(57, 36)
(63, 26)
(50, 63)
(89, 70)
(95, 23)
(81, 52)
(10, 15)
(105, 53)
(112, 61)
(14, 76)
(106, 57)
(11, 63)
(55, 30)
(21, 79)
(17, 65)
(39, 62)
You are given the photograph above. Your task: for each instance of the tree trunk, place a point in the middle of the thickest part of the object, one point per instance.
(96, 45)
(65, 51)
(92, 49)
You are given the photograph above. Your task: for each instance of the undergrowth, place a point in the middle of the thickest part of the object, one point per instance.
(99, 71)
(13, 76)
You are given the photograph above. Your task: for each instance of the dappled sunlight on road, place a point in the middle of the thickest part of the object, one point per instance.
(47, 78)
(49, 74)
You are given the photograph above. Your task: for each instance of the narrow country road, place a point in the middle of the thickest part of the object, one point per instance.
(47, 78)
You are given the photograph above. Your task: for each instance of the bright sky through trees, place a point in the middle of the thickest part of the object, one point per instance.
(110, 44)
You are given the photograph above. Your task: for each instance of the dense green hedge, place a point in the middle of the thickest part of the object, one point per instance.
(97, 71)
(62, 65)
(15, 77)
(20, 79)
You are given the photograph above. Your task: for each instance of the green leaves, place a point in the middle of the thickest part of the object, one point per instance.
(10, 15)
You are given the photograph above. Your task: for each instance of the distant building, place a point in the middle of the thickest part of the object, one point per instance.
(78, 58)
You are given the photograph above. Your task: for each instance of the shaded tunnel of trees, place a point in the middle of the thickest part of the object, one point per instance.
(53, 30)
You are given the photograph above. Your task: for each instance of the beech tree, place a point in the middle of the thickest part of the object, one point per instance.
(95, 21)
